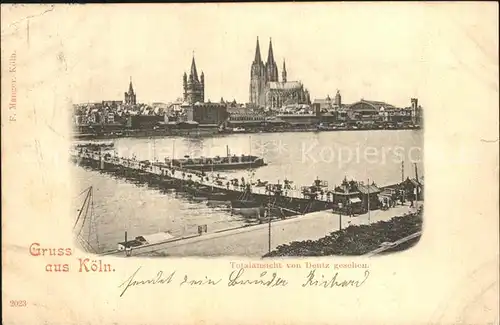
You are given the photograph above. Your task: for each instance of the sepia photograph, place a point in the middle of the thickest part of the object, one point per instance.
(256, 142)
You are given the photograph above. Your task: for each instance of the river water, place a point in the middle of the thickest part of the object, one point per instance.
(120, 205)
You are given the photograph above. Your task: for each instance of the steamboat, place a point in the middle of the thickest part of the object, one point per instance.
(227, 162)
(94, 145)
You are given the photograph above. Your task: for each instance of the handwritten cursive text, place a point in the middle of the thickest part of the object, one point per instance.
(199, 282)
(265, 279)
(158, 279)
(313, 280)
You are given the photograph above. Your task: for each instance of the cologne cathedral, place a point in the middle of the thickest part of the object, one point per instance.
(265, 88)
(194, 87)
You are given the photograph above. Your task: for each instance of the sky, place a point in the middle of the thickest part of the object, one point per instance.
(388, 52)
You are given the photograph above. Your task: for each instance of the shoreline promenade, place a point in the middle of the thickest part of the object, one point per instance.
(253, 241)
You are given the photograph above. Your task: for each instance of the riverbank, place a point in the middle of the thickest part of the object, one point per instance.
(253, 241)
(359, 240)
(206, 132)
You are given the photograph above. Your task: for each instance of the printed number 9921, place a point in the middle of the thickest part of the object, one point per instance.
(18, 303)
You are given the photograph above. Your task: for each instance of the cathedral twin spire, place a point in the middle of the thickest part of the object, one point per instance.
(270, 56)
(270, 67)
(257, 53)
(265, 88)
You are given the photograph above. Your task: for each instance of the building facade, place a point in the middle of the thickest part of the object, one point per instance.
(416, 112)
(143, 122)
(206, 113)
(130, 95)
(279, 94)
(265, 88)
(258, 78)
(369, 110)
(376, 111)
(194, 87)
(338, 99)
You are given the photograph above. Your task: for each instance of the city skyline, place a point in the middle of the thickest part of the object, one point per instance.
(389, 54)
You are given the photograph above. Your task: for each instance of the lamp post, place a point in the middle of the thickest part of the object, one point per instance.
(154, 148)
(340, 215)
(416, 187)
(369, 201)
(128, 249)
(269, 216)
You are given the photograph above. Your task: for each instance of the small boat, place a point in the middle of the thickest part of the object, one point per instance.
(194, 188)
(140, 241)
(85, 216)
(199, 198)
(254, 213)
(168, 183)
(218, 204)
(239, 204)
(218, 196)
(206, 192)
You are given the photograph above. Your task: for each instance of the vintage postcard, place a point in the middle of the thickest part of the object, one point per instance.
(250, 163)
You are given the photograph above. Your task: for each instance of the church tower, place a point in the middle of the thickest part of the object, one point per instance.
(194, 87)
(257, 79)
(130, 96)
(271, 67)
(202, 86)
(283, 73)
(338, 99)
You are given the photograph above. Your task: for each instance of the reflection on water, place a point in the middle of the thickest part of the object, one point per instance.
(302, 157)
